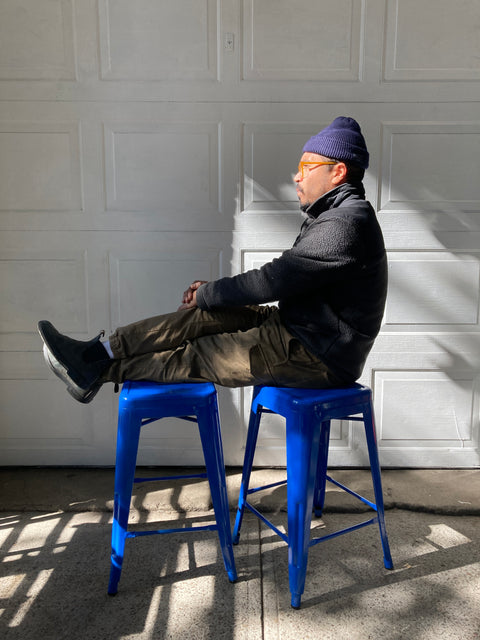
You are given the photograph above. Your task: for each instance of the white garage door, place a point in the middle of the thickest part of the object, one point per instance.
(144, 144)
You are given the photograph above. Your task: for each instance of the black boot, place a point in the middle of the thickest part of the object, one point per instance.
(79, 364)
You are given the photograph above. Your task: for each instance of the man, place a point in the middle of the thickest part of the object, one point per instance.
(331, 287)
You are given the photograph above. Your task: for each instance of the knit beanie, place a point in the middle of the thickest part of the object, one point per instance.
(341, 140)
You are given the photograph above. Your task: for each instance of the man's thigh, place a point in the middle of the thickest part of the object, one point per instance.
(268, 354)
(166, 332)
(222, 358)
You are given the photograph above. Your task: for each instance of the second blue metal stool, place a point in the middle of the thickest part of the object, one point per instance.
(142, 403)
(308, 413)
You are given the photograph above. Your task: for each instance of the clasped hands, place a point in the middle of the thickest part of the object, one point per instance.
(189, 299)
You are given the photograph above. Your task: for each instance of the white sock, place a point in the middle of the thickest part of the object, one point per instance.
(108, 349)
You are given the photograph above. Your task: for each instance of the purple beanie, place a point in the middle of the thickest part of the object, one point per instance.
(341, 140)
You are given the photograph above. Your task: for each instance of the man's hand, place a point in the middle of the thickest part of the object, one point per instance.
(189, 300)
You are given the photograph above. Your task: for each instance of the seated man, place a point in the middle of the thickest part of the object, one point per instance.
(331, 287)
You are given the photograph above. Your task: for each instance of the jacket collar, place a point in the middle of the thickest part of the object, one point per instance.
(335, 197)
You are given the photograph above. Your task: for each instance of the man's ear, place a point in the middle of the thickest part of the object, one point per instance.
(339, 173)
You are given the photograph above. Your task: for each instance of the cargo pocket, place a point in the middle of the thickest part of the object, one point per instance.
(302, 369)
(259, 366)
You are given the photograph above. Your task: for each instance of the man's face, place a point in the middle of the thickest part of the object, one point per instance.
(316, 180)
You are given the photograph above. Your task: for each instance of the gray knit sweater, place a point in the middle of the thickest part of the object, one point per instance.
(331, 285)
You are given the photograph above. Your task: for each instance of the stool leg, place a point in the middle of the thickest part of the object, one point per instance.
(303, 437)
(210, 435)
(321, 475)
(252, 434)
(127, 448)
(371, 436)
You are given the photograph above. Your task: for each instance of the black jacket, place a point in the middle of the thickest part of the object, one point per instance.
(331, 285)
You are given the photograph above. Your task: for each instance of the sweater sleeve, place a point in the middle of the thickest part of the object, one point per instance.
(320, 256)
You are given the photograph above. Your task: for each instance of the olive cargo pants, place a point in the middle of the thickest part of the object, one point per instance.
(232, 347)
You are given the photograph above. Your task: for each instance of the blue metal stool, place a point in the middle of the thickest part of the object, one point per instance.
(142, 403)
(308, 413)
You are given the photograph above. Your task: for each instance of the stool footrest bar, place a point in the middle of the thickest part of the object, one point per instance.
(340, 532)
(267, 522)
(372, 505)
(151, 532)
(266, 486)
(194, 475)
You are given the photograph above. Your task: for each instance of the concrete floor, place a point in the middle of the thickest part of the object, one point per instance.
(55, 539)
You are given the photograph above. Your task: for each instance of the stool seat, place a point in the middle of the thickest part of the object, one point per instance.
(308, 413)
(140, 404)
